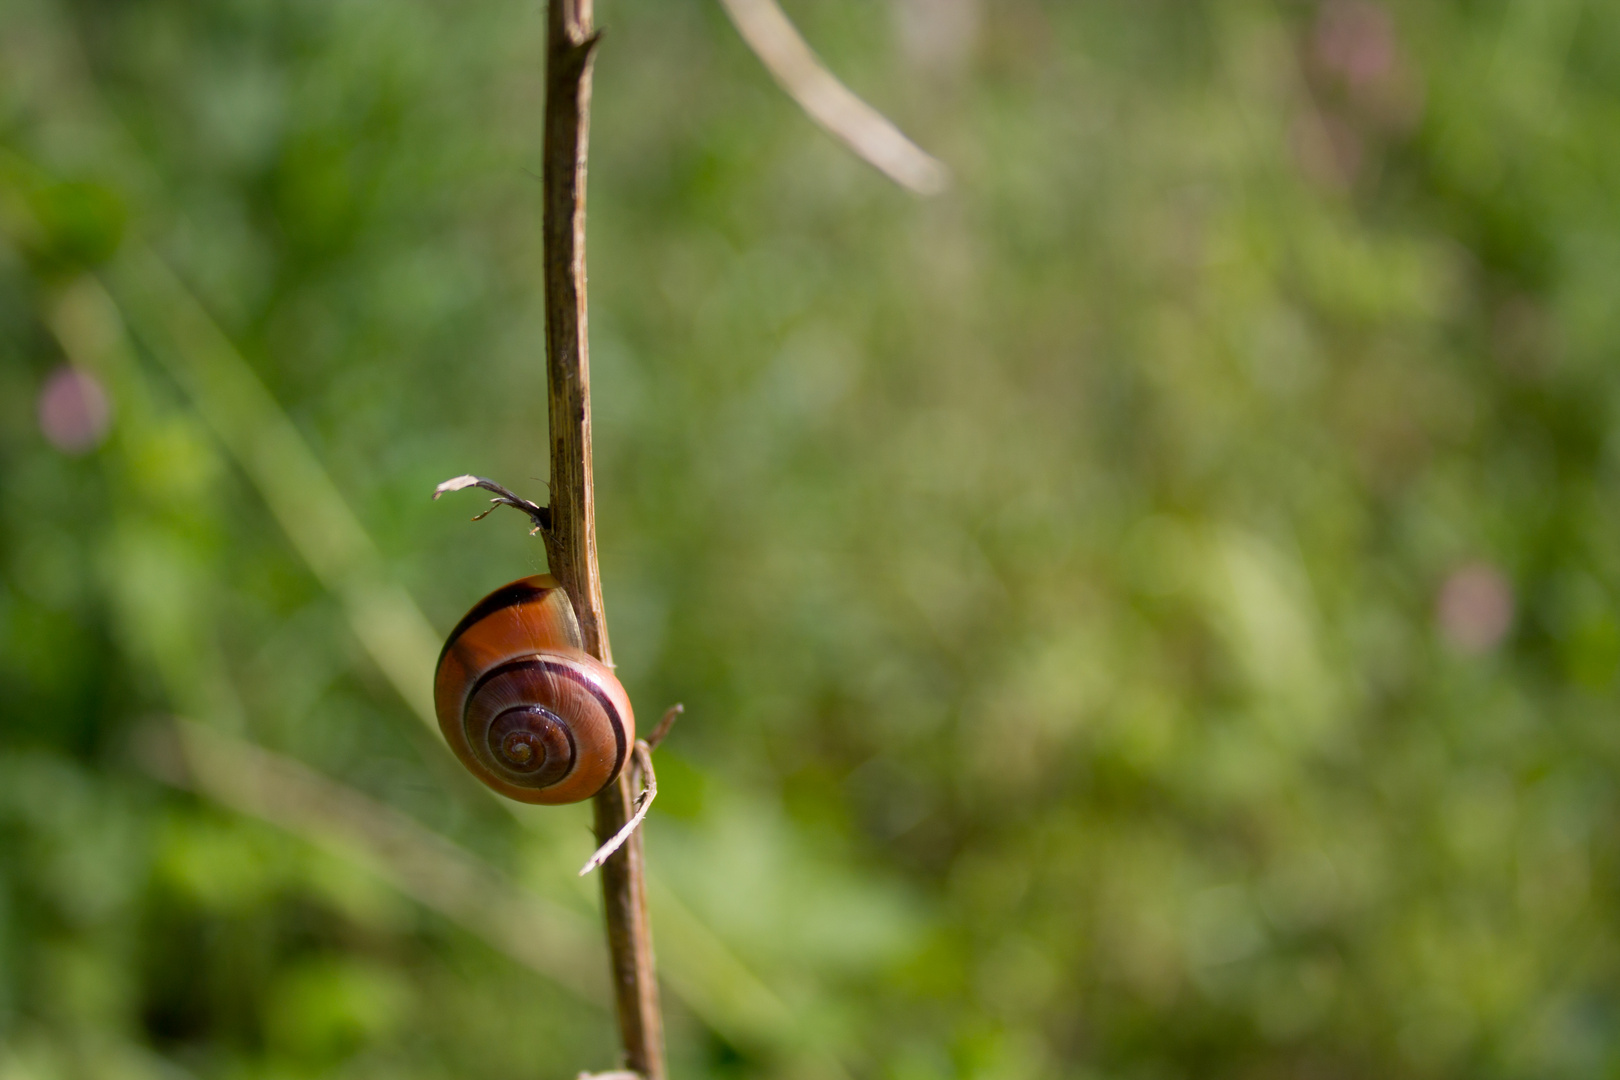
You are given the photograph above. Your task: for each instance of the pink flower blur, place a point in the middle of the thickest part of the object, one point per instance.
(1475, 608)
(1356, 40)
(73, 411)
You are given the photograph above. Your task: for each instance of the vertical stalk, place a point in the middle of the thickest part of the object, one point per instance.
(571, 540)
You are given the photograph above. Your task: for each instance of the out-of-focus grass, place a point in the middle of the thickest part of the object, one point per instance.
(1149, 611)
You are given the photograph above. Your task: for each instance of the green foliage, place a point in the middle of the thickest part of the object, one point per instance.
(1148, 612)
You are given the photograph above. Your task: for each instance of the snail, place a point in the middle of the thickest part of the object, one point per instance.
(524, 706)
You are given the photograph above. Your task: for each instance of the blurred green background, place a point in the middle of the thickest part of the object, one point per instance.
(1148, 612)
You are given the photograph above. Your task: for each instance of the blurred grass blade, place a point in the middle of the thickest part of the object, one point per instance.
(306, 503)
(542, 936)
(795, 66)
(158, 620)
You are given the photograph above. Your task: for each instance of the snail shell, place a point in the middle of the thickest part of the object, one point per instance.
(523, 705)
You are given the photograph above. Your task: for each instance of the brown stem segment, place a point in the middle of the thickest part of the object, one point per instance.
(571, 539)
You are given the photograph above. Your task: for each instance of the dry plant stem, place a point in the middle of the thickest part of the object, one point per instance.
(797, 69)
(571, 539)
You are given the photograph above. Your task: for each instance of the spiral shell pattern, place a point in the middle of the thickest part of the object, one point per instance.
(524, 707)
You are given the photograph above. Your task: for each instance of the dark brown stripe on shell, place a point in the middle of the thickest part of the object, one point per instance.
(552, 667)
(519, 592)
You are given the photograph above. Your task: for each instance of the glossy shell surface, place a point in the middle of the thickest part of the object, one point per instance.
(523, 706)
